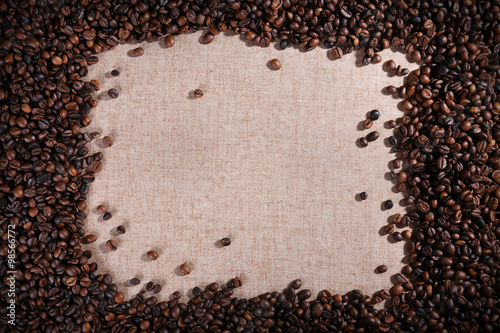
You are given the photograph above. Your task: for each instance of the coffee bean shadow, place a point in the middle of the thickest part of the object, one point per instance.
(248, 43)
(388, 176)
(359, 59)
(130, 53)
(360, 126)
(357, 197)
(104, 248)
(386, 143)
(191, 95)
(381, 231)
(104, 96)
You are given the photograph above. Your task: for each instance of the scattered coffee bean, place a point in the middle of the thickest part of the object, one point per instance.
(275, 64)
(374, 114)
(101, 209)
(367, 123)
(392, 140)
(115, 72)
(372, 136)
(382, 269)
(208, 38)
(363, 142)
(388, 204)
(137, 52)
(296, 284)
(134, 281)
(363, 195)
(152, 255)
(198, 93)
(111, 244)
(107, 216)
(185, 269)
(391, 124)
(397, 236)
(225, 241)
(390, 65)
(107, 141)
(149, 286)
(156, 288)
(113, 93)
(120, 230)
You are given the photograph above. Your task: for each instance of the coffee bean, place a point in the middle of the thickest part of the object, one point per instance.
(152, 255)
(388, 204)
(372, 136)
(275, 64)
(363, 195)
(169, 41)
(374, 114)
(363, 142)
(391, 124)
(115, 72)
(390, 65)
(120, 230)
(137, 52)
(185, 269)
(149, 286)
(198, 93)
(225, 241)
(296, 284)
(397, 236)
(381, 269)
(107, 141)
(367, 123)
(88, 239)
(107, 216)
(111, 244)
(208, 38)
(113, 93)
(156, 288)
(135, 282)
(101, 209)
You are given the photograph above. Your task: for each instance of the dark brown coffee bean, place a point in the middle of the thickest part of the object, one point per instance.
(296, 284)
(388, 204)
(169, 41)
(372, 136)
(120, 230)
(149, 286)
(135, 282)
(225, 241)
(107, 141)
(198, 93)
(156, 288)
(115, 73)
(363, 142)
(113, 93)
(208, 38)
(111, 244)
(391, 124)
(275, 64)
(382, 269)
(137, 52)
(107, 216)
(185, 269)
(363, 196)
(390, 65)
(367, 123)
(374, 114)
(152, 255)
(101, 209)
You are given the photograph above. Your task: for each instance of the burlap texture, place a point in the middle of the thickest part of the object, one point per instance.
(267, 158)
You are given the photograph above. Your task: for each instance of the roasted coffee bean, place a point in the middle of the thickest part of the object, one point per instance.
(111, 244)
(115, 72)
(156, 288)
(135, 282)
(198, 93)
(381, 269)
(185, 269)
(388, 204)
(275, 64)
(225, 241)
(367, 123)
(107, 216)
(149, 286)
(391, 124)
(169, 41)
(208, 38)
(390, 65)
(120, 230)
(152, 255)
(113, 93)
(374, 114)
(101, 209)
(372, 136)
(363, 142)
(363, 196)
(137, 52)
(107, 141)
(88, 239)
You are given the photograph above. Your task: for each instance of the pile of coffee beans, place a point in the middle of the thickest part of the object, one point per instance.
(447, 136)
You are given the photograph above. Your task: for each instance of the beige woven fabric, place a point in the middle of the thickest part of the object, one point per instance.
(268, 158)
